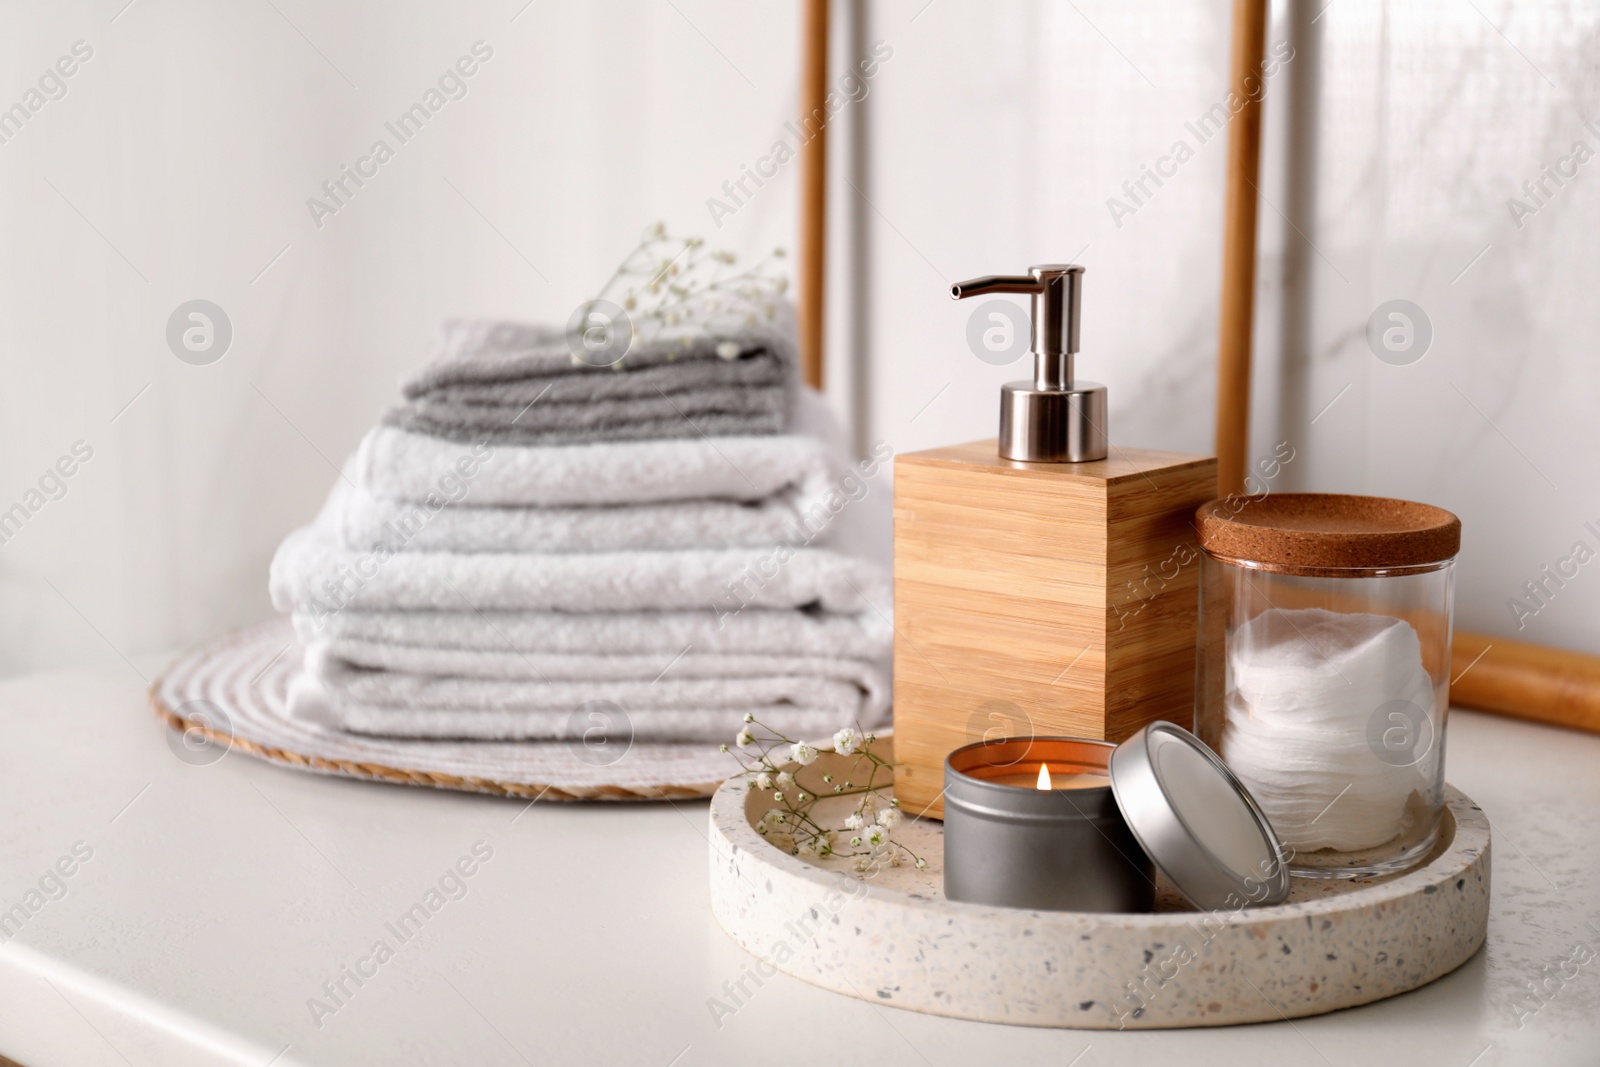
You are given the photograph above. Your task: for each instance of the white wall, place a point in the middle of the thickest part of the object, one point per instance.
(179, 163)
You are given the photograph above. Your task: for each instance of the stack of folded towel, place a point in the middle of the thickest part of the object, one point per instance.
(528, 535)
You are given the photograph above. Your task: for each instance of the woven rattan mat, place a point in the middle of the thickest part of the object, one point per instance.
(231, 694)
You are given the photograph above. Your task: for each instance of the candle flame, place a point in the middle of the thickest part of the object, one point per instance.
(1044, 776)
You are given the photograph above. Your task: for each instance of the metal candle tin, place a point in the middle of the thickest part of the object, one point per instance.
(1170, 804)
(1052, 850)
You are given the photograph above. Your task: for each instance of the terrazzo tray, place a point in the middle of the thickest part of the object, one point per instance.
(892, 938)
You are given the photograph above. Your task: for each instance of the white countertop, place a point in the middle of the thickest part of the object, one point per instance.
(218, 899)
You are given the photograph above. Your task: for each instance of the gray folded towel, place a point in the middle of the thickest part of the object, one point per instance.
(713, 411)
(506, 363)
(509, 383)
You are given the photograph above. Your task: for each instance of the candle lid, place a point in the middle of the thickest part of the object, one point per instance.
(1196, 821)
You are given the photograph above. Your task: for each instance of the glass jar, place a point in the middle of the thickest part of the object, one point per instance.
(1323, 670)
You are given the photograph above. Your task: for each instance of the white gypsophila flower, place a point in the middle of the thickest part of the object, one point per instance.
(862, 863)
(763, 780)
(846, 741)
(785, 780)
(749, 717)
(808, 848)
(745, 739)
(802, 753)
(801, 798)
(783, 841)
(889, 818)
(921, 864)
(728, 350)
(854, 821)
(876, 836)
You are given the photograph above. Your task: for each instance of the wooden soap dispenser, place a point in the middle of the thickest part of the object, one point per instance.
(1045, 583)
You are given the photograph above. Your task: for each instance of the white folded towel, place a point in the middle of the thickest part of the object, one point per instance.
(370, 658)
(314, 574)
(365, 520)
(407, 691)
(708, 711)
(495, 591)
(866, 635)
(399, 465)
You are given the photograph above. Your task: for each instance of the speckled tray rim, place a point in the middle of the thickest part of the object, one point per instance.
(1465, 858)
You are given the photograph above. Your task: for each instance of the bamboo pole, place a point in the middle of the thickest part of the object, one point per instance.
(813, 186)
(1549, 685)
(1239, 248)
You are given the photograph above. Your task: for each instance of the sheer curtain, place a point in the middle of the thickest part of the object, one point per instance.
(1427, 124)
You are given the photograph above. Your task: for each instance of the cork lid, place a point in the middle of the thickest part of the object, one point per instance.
(1313, 533)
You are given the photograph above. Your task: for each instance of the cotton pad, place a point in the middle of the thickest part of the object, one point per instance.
(1302, 687)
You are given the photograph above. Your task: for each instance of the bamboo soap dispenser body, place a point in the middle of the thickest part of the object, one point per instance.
(1045, 583)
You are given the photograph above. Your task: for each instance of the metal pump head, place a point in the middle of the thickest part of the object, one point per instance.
(1052, 419)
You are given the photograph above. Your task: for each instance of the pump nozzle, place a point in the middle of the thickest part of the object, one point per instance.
(1052, 419)
(1056, 293)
